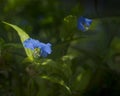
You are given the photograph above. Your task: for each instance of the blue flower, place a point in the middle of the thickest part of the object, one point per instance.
(46, 49)
(83, 23)
(32, 44)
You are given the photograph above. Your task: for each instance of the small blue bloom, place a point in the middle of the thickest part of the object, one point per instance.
(46, 49)
(32, 44)
(83, 23)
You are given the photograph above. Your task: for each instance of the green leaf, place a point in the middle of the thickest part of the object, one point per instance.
(23, 36)
(56, 80)
(82, 80)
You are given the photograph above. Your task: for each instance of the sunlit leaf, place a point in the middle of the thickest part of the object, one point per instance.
(23, 36)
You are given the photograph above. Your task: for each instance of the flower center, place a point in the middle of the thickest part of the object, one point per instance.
(36, 53)
(85, 26)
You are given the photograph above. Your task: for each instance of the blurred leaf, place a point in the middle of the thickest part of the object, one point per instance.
(12, 45)
(69, 27)
(56, 80)
(1, 41)
(116, 44)
(55, 72)
(70, 19)
(82, 80)
(66, 66)
(59, 68)
(23, 36)
(31, 88)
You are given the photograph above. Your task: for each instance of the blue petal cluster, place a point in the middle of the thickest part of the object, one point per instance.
(45, 49)
(83, 23)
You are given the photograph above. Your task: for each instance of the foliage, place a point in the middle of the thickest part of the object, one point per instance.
(81, 63)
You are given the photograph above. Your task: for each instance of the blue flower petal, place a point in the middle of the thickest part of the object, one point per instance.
(83, 23)
(27, 44)
(31, 43)
(81, 27)
(88, 22)
(44, 53)
(45, 49)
